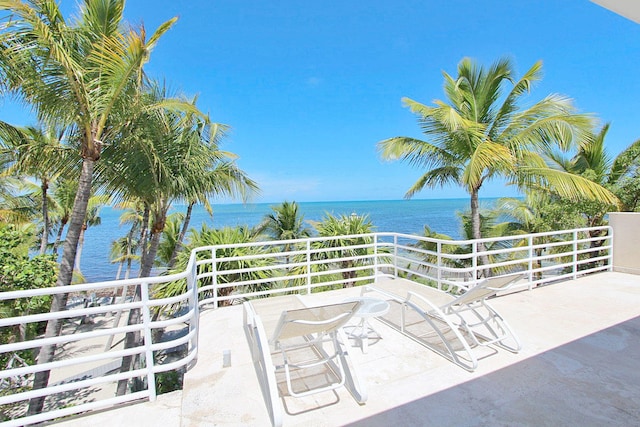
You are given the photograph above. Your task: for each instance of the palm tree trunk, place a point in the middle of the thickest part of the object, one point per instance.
(120, 265)
(154, 243)
(144, 228)
(127, 272)
(183, 232)
(65, 275)
(132, 339)
(477, 233)
(45, 219)
(79, 250)
(63, 223)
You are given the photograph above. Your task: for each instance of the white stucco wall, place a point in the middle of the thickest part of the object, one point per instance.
(626, 241)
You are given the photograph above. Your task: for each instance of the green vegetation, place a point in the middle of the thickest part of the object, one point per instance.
(108, 133)
(20, 272)
(118, 130)
(345, 225)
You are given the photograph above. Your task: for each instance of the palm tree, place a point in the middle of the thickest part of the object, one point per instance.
(208, 236)
(169, 240)
(479, 134)
(38, 152)
(593, 162)
(136, 216)
(172, 155)
(539, 212)
(286, 222)
(63, 198)
(226, 179)
(16, 202)
(345, 225)
(85, 75)
(624, 177)
(123, 252)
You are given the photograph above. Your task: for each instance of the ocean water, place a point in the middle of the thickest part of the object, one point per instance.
(402, 216)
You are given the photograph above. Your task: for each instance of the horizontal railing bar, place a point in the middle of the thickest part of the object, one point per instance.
(69, 338)
(72, 410)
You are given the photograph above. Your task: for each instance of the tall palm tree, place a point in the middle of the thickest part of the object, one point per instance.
(86, 75)
(172, 155)
(481, 133)
(225, 179)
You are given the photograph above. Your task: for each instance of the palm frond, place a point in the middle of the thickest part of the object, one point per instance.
(566, 185)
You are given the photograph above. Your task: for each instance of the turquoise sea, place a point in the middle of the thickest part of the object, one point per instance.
(402, 216)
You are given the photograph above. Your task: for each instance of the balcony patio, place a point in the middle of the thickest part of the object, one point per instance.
(578, 366)
(578, 321)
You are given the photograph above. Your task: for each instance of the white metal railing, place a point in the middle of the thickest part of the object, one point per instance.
(223, 274)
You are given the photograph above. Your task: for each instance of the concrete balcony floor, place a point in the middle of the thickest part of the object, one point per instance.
(578, 366)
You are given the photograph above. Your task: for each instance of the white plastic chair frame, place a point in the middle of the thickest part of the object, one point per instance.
(315, 333)
(484, 327)
(316, 326)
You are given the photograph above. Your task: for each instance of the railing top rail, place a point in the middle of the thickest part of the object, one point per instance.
(394, 234)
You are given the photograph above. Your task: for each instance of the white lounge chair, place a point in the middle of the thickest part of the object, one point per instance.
(308, 343)
(460, 322)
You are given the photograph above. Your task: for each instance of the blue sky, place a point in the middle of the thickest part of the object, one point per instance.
(309, 88)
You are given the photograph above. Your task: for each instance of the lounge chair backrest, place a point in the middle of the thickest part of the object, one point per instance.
(313, 320)
(487, 288)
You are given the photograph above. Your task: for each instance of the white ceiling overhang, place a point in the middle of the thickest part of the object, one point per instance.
(627, 8)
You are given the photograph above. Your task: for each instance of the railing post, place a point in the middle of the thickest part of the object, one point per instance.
(575, 254)
(375, 257)
(474, 261)
(194, 304)
(308, 266)
(609, 239)
(146, 321)
(531, 255)
(395, 255)
(214, 277)
(439, 270)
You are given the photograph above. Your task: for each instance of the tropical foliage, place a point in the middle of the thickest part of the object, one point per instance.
(286, 222)
(208, 236)
(482, 132)
(109, 133)
(86, 75)
(18, 272)
(350, 240)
